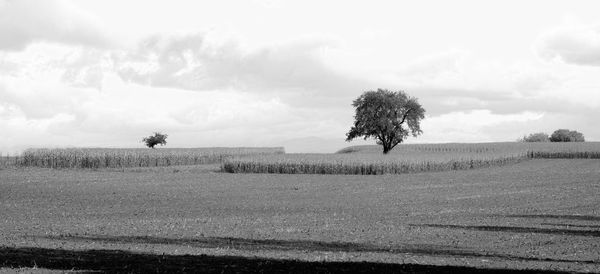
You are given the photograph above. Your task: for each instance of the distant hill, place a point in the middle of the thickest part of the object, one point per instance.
(361, 149)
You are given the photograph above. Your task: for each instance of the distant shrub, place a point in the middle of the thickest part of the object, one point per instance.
(565, 135)
(157, 139)
(536, 137)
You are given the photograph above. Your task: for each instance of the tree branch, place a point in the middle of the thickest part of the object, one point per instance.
(394, 145)
(381, 138)
(405, 115)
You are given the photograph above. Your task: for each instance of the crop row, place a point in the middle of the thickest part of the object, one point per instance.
(356, 165)
(7, 161)
(353, 160)
(122, 158)
(409, 159)
(325, 166)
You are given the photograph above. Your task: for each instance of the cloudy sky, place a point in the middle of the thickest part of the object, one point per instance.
(271, 73)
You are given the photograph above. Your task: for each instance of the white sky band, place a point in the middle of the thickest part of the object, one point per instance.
(106, 73)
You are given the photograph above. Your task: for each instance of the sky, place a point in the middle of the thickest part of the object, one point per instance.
(93, 73)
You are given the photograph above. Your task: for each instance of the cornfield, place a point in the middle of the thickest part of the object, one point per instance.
(350, 164)
(123, 157)
(8, 161)
(585, 150)
(357, 160)
(366, 160)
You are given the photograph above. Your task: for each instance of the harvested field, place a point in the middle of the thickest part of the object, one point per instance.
(540, 214)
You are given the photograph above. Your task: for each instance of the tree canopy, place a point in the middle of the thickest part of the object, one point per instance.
(387, 116)
(156, 139)
(536, 137)
(565, 135)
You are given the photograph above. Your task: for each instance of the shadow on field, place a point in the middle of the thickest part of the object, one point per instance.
(306, 245)
(516, 229)
(553, 216)
(572, 225)
(117, 261)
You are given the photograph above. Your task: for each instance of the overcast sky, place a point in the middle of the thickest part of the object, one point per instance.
(270, 73)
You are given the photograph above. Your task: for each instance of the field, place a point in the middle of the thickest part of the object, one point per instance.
(8, 161)
(539, 215)
(368, 160)
(124, 158)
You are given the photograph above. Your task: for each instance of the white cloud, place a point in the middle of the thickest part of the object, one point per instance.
(49, 93)
(197, 62)
(121, 113)
(260, 83)
(40, 99)
(26, 21)
(73, 65)
(457, 81)
(466, 126)
(575, 44)
(85, 67)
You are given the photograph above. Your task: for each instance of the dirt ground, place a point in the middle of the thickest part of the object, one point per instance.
(538, 215)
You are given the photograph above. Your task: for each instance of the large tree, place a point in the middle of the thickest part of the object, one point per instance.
(387, 116)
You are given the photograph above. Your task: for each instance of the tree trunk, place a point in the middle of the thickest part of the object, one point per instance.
(386, 149)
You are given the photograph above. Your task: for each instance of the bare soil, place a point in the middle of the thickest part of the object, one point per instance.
(538, 215)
